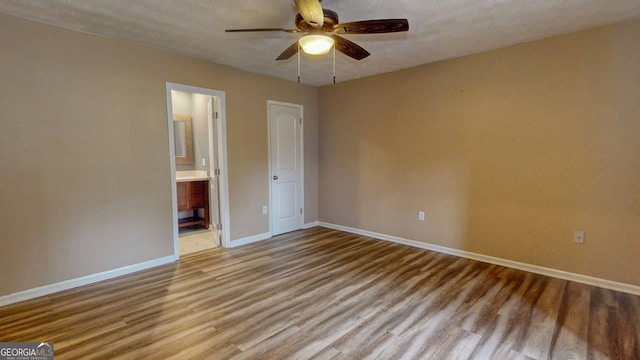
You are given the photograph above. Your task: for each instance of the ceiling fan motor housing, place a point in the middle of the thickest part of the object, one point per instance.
(330, 19)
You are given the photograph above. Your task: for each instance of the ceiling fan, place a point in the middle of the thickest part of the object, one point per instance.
(322, 27)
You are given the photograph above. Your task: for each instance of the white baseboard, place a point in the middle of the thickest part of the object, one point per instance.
(249, 239)
(264, 236)
(84, 280)
(584, 279)
(310, 225)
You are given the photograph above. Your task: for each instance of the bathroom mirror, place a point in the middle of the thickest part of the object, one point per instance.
(183, 138)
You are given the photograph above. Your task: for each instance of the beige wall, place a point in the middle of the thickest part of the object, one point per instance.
(84, 163)
(508, 152)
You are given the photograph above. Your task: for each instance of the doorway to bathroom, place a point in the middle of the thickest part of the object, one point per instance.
(198, 154)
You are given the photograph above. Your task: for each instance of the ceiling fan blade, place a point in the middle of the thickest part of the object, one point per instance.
(311, 11)
(372, 26)
(349, 48)
(289, 52)
(261, 29)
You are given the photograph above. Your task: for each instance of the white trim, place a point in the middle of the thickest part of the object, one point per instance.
(250, 239)
(310, 225)
(222, 146)
(301, 149)
(84, 280)
(212, 107)
(172, 170)
(560, 274)
(225, 215)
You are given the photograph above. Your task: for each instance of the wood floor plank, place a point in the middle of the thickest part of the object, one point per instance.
(536, 338)
(497, 340)
(326, 294)
(570, 337)
(629, 322)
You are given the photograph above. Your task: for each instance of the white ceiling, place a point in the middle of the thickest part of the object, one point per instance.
(439, 29)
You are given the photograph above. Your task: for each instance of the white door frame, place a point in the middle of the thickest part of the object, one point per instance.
(222, 161)
(300, 149)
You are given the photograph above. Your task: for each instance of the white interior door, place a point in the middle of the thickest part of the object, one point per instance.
(214, 167)
(285, 138)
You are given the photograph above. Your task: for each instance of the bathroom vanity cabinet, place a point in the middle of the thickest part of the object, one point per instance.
(193, 195)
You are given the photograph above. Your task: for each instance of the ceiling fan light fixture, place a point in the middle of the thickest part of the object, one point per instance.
(316, 44)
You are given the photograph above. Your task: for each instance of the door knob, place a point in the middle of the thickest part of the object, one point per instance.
(275, 177)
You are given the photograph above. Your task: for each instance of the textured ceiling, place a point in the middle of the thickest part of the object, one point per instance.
(439, 29)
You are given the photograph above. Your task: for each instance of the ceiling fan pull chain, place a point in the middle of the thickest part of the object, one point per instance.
(334, 64)
(298, 62)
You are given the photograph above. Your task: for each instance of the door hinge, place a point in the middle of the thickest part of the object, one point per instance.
(216, 172)
(300, 210)
(300, 121)
(215, 115)
(218, 226)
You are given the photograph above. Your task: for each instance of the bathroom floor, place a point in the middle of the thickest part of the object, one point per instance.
(192, 240)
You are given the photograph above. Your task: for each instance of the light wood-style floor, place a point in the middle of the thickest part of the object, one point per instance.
(325, 294)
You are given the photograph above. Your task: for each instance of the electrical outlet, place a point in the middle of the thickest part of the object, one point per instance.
(421, 215)
(204, 162)
(578, 237)
(265, 210)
